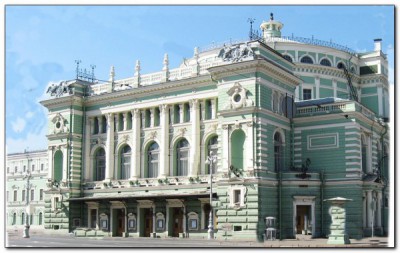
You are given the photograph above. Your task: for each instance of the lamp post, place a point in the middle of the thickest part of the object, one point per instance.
(28, 186)
(211, 159)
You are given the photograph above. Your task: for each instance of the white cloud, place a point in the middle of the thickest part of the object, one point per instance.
(33, 141)
(18, 125)
(29, 114)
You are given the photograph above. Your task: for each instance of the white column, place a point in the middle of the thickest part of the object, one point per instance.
(109, 146)
(164, 122)
(166, 218)
(249, 146)
(379, 209)
(152, 117)
(369, 208)
(380, 96)
(203, 110)
(194, 147)
(116, 118)
(125, 118)
(144, 123)
(135, 162)
(65, 162)
(181, 110)
(88, 133)
(99, 124)
(91, 122)
(213, 108)
(334, 84)
(50, 171)
(225, 147)
(317, 83)
(184, 220)
(172, 113)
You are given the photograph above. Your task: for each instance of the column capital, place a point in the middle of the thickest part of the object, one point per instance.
(194, 103)
(163, 108)
(109, 115)
(135, 113)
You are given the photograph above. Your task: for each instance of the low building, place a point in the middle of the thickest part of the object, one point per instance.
(291, 122)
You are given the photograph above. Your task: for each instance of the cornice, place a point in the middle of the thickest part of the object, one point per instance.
(284, 75)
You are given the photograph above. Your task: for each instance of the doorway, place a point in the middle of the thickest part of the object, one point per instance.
(148, 222)
(303, 220)
(177, 219)
(119, 221)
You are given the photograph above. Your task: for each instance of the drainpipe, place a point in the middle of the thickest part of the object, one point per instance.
(322, 175)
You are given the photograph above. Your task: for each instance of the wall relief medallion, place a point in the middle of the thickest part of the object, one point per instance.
(238, 97)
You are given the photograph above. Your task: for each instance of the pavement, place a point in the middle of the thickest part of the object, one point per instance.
(38, 239)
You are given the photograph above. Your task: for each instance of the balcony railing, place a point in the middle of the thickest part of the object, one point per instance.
(147, 182)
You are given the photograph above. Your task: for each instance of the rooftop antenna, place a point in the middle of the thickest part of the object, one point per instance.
(77, 68)
(251, 21)
(92, 77)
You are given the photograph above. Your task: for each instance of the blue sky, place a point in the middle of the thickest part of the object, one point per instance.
(43, 42)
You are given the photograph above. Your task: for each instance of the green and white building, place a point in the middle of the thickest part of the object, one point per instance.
(19, 165)
(292, 122)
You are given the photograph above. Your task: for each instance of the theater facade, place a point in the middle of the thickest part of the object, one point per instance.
(289, 122)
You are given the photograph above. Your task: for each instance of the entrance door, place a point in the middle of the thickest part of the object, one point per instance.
(303, 220)
(177, 219)
(120, 213)
(148, 222)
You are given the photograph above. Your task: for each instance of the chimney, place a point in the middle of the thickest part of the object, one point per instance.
(378, 44)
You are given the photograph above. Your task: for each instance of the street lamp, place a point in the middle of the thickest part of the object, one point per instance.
(28, 187)
(211, 160)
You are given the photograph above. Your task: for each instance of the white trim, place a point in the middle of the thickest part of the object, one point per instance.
(304, 201)
(321, 136)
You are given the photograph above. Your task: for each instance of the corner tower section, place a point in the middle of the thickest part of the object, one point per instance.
(252, 76)
(65, 129)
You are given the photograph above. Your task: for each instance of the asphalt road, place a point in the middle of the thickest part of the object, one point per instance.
(109, 242)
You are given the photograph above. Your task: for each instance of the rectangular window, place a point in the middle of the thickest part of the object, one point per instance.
(15, 195)
(32, 194)
(306, 94)
(23, 195)
(41, 194)
(236, 197)
(24, 168)
(187, 112)
(15, 169)
(42, 167)
(33, 167)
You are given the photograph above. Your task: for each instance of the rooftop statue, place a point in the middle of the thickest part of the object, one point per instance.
(59, 90)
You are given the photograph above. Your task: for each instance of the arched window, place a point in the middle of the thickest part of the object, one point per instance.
(212, 147)
(125, 165)
(325, 62)
(153, 155)
(340, 65)
(40, 218)
(182, 155)
(100, 165)
(364, 149)
(278, 152)
(58, 166)
(307, 59)
(287, 57)
(238, 139)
